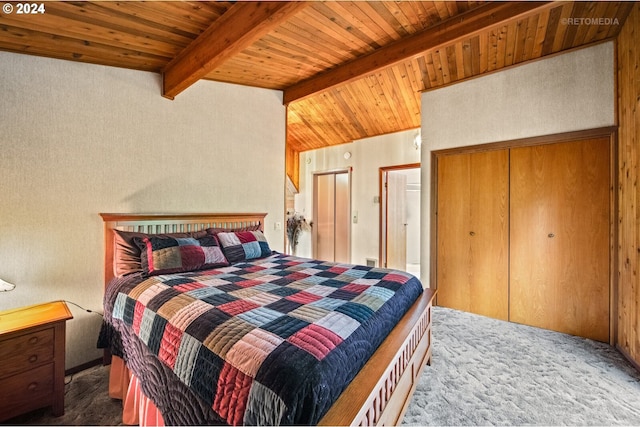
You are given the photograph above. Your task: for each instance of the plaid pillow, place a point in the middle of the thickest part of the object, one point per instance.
(244, 245)
(216, 230)
(163, 254)
(126, 253)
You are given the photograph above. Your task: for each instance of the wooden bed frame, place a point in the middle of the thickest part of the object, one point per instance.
(381, 392)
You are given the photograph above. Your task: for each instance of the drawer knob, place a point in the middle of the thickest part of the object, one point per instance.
(33, 358)
(33, 386)
(33, 340)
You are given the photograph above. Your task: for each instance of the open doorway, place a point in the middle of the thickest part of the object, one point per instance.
(400, 217)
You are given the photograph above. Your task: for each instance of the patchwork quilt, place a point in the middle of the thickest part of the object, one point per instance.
(269, 341)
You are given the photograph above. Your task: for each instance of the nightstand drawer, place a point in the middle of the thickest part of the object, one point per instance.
(22, 393)
(32, 341)
(26, 351)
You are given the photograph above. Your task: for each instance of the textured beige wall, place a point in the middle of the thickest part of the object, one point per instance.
(568, 92)
(367, 156)
(79, 139)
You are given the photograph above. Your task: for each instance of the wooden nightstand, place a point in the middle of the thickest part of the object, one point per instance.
(32, 358)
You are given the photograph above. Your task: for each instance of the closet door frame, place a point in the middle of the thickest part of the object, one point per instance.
(344, 227)
(609, 132)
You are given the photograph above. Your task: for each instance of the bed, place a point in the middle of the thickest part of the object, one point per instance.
(290, 340)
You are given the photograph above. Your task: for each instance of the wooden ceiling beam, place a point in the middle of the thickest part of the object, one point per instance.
(235, 30)
(440, 35)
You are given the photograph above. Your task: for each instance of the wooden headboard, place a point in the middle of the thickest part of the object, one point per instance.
(169, 223)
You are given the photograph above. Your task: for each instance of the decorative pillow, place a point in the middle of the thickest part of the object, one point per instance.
(164, 255)
(126, 253)
(215, 230)
(244, 245)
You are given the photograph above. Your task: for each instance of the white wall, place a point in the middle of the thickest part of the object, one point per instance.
(367, 156)
(568, 92)
(79, 139)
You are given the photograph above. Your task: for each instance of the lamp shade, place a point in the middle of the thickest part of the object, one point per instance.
(6, 286)
(417, 140)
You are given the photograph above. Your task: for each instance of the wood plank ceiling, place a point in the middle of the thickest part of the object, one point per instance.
(348, 70)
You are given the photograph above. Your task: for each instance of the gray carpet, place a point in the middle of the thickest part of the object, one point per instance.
(484, 372)
(489, 372)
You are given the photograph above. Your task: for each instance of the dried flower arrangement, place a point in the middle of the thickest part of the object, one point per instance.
(296, 223)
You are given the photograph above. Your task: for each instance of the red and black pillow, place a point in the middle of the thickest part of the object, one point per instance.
(165, 254)
(244, 245)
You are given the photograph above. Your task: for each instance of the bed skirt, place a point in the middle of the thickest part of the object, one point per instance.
(137, 409)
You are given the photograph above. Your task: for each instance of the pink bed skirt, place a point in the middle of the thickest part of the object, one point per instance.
(137, 409)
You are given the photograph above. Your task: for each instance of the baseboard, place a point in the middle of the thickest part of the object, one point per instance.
(628, 357)
(84, 366)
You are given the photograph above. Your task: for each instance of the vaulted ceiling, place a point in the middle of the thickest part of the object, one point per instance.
(348, 70)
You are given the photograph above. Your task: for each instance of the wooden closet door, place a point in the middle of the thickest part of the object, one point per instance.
(560, 217)
(472, 226)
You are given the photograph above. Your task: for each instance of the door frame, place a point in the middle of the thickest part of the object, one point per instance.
(603, 132)
(314, 230)
(382, 232)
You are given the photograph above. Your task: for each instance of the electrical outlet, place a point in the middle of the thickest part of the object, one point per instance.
(277, 226)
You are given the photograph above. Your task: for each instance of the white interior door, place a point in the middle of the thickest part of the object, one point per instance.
(400, 218)
(396, 221)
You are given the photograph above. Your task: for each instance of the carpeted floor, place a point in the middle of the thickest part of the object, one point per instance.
(484, 372)
(489, 372)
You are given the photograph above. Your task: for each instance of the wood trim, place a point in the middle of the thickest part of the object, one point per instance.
(85, 366)
(381, 171)
(179, 218)
(447, 32)
(613, 242)
(314, 229)
(235, 30)
(628, 356)
(292, 165)
(607, 131)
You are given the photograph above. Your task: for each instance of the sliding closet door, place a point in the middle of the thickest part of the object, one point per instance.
(472, 226)
(332, 212)
(560, 237)
(325, 219)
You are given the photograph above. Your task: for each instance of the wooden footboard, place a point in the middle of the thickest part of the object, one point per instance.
(381, 392)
